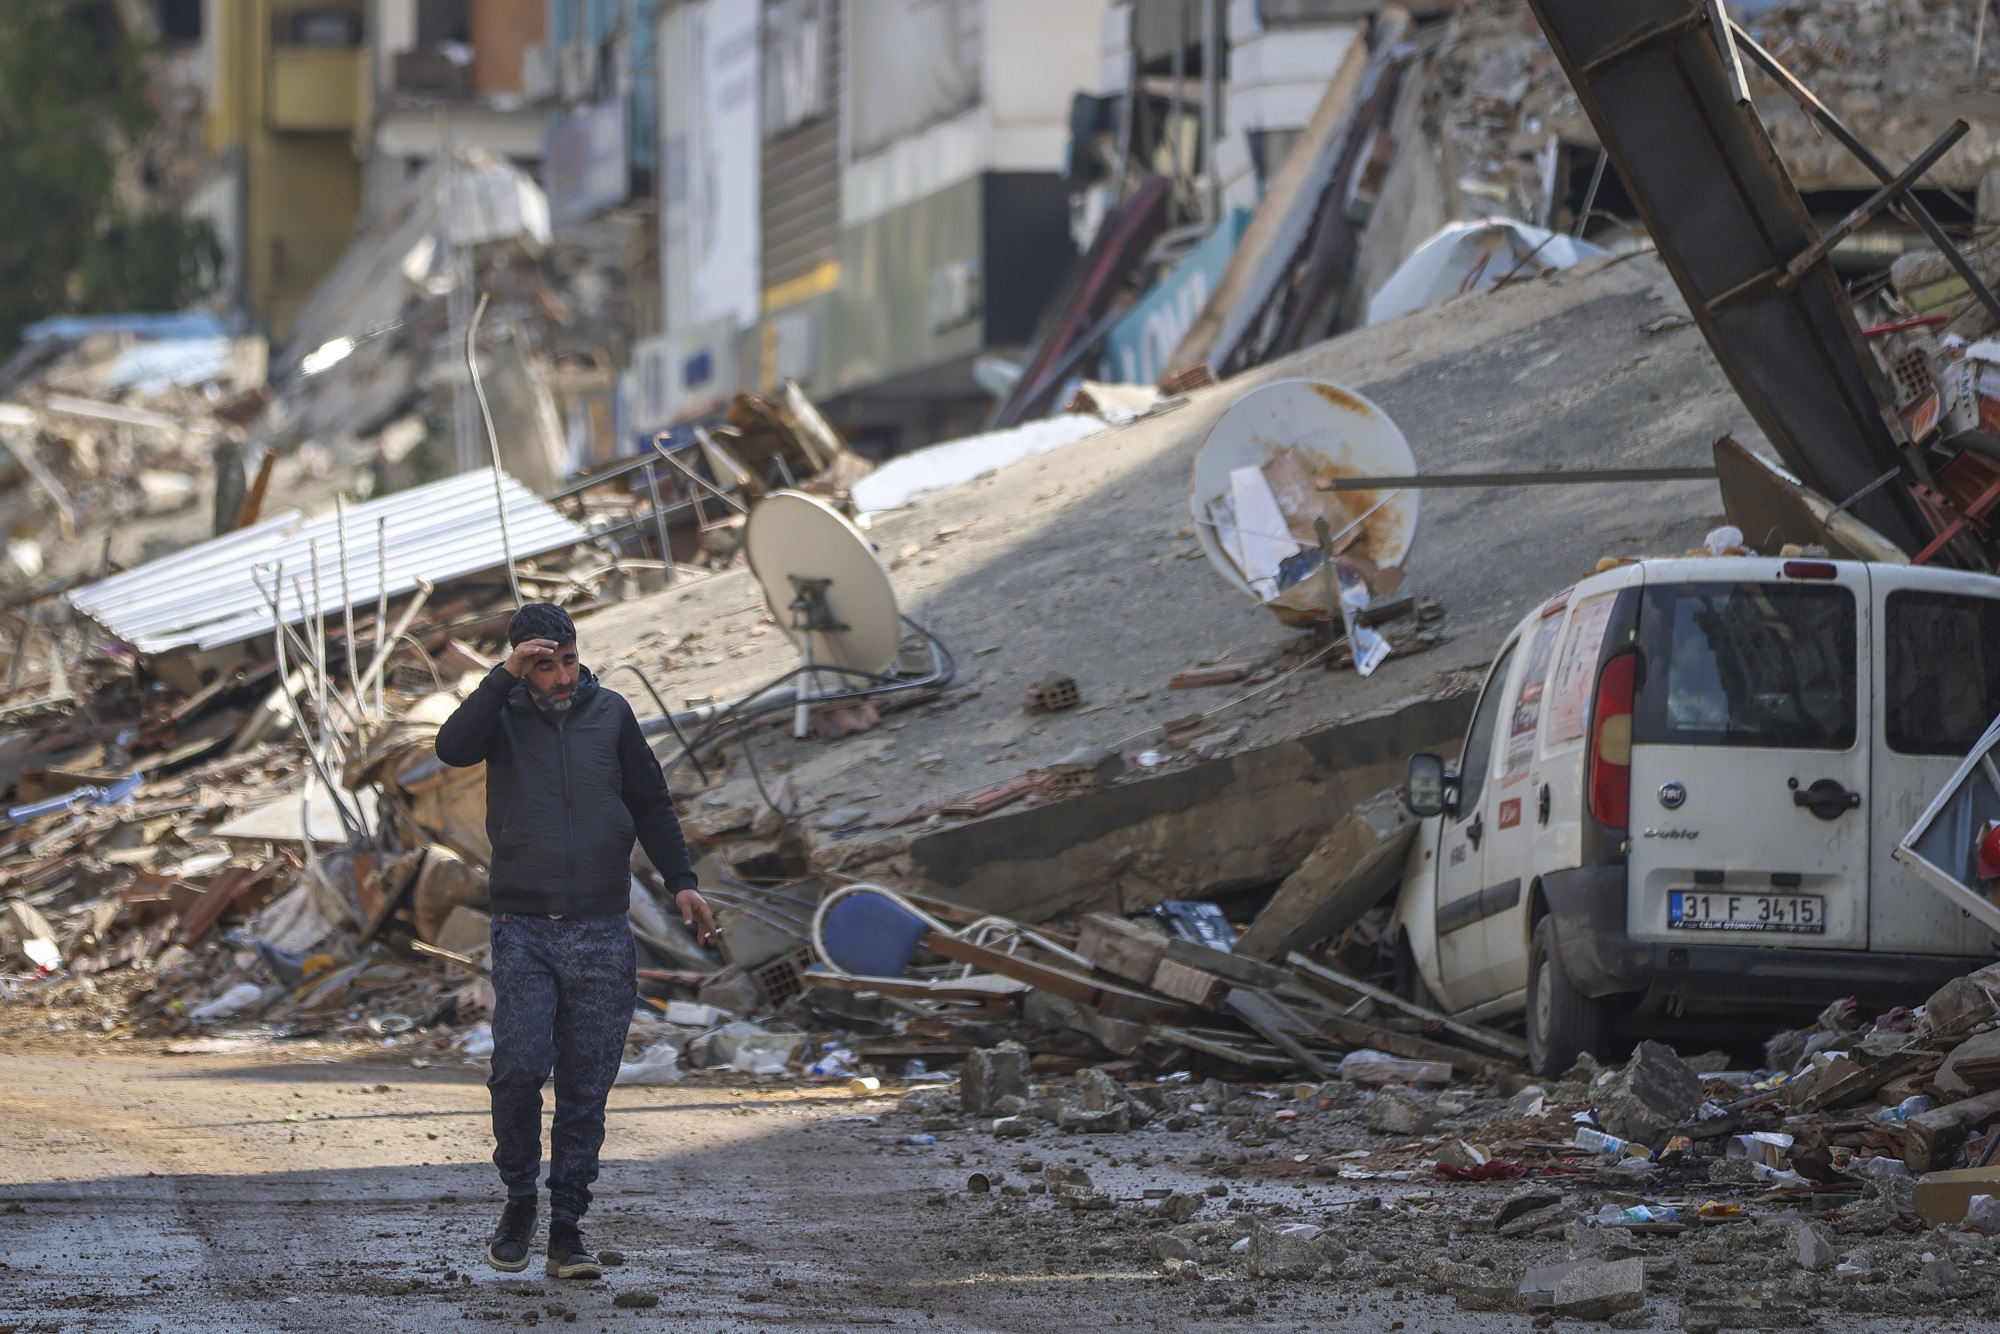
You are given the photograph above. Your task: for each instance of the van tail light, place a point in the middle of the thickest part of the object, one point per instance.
(1611, 742)
(1989, 852)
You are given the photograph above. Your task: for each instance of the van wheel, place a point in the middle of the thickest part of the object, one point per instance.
(1563, 1023)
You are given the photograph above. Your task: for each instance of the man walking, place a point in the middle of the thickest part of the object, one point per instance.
(570, 781)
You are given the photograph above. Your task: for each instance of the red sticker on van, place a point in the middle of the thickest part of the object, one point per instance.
(1510, 812)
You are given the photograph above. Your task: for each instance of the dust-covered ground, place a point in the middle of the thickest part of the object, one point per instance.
(297, 1187)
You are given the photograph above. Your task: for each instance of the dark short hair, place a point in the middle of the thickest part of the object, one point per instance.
(541, 620)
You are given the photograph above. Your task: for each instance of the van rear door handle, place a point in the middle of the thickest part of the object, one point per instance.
(1542, 804)
(1827, 799)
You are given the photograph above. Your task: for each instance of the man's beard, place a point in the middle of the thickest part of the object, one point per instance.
(551, 702)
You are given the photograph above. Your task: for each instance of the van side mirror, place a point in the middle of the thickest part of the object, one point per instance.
(1423, 790)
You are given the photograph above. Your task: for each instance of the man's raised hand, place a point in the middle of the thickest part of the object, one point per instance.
(528, 653)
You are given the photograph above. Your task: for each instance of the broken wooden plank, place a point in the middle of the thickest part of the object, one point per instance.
(232, 884)
(1334, 981)
(1122, 948)
(1242, 1054)
(1932, 1138)
(1241, 969)
(1193, 985)
(391, 899)
(1356, 1033)
(1117, 1002)
(1862, 1080)
(1222, 674)
(1273, 1020)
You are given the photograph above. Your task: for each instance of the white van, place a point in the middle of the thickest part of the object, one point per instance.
(1678, 795)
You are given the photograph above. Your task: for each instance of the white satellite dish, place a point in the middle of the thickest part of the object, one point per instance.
(1327, 432)
(824, 586)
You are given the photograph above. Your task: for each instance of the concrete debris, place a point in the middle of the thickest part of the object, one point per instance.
(1284, 1250)
(1600, 1291)
(1653, 1093)
(1813, 1248)
(1396, 1111)
(992, 1075)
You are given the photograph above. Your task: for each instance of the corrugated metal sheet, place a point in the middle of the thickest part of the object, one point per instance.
(207, 596)
(800, 195)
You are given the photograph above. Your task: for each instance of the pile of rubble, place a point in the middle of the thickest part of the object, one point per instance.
(119, 422)
(1740, 1198)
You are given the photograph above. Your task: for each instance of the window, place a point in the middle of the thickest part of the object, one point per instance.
(1747, 664)
(796, 34)
(1941, 687)
(1477, 759)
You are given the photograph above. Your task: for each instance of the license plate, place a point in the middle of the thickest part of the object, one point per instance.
(1689, 910)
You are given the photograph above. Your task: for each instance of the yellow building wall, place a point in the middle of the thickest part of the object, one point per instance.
(297, 114)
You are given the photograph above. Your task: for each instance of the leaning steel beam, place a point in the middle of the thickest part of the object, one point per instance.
(1722, 211)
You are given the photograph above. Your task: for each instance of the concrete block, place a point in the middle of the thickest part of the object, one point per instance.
(1653, 1093)
(1394, 1110)
(1813, 1249)
(1600, 1291)
(1283, 1251)
(1349, 871)
(991, 1074)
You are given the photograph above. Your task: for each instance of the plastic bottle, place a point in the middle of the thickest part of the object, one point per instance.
(1597, 1141)
(1635, 1215)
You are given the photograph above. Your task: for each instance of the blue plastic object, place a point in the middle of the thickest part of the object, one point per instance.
(871, 935)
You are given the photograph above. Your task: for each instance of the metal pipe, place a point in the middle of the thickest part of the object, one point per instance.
(1174, 102)
(1590, 195)
(300, 646)
(1569, 478)
(381, 606)
(347, 598)
(1211, 97)
(291, 703)
(315, 630)
(1127, 131)
(701, 482)
(318, 648)
(417, 600)
(659, 520)
(1902, 183)
(492, 447)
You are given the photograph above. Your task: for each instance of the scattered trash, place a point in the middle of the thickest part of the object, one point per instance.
(657, 1064)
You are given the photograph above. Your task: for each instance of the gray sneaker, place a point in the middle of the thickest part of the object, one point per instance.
(568, 1257)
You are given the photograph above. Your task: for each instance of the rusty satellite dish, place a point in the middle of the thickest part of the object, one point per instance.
(1255, 496)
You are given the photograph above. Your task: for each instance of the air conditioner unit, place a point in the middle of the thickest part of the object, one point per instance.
(541, 79)
(578, 71)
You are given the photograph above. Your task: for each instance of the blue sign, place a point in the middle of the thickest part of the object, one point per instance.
(1137, 347)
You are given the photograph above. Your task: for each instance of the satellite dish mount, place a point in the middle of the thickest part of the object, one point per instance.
(811, 615)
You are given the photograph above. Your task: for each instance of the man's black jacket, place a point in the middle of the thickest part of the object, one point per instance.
(565, 794)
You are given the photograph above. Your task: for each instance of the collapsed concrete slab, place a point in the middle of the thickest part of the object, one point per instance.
(1083, 563)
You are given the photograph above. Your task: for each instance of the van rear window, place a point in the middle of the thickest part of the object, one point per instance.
(1942, 669)
(1747, 664)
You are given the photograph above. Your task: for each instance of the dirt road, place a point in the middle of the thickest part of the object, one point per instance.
(144, 1191)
